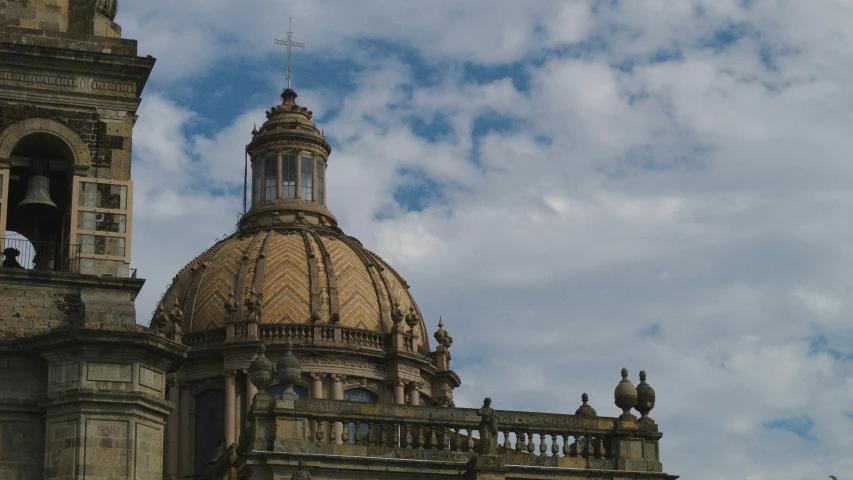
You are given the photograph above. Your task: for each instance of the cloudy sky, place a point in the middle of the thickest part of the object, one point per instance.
(575, 186)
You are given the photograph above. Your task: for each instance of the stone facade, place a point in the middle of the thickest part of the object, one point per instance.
(288, 350)
(82, 386)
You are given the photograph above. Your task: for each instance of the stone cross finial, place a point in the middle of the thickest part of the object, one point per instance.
(290, 45)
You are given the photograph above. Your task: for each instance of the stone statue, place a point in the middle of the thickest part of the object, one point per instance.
(301, 474)
(488, 429)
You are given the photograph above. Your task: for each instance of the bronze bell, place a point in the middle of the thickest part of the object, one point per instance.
(38, 193)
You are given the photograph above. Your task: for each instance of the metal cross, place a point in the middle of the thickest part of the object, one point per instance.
(289, 43)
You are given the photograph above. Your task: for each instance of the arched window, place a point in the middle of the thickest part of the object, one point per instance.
(321, 182)
(256, 182)
(360, 395)
(209, 426)
(288, 176)
(307, 180)
(270, 175)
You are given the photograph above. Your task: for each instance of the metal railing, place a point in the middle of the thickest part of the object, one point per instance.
(20, 253)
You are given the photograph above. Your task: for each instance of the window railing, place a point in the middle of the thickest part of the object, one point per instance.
(22, 254)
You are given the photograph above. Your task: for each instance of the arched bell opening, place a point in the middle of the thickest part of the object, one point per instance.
(39, 202)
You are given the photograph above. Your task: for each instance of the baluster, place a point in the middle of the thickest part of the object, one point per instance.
(573, 448)
(506, 441)
(543, 445)
(421, 439)
(408, 430)
(381, 433)
(371, 434)
(519, 442)
(565, 445)
(319, 432)
(555, 448)
(531, 446)
(395, 435)
(458, 439)
(470, 441)
(443, 438)
(345, 433)
(433, 441)
(358, 433)
(333, 431)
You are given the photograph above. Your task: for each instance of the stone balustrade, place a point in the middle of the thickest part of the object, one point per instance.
(450, 434)
(320, 335)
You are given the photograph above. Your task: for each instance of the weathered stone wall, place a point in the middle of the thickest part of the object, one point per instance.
(22, 383)
(26, 311)
(48, 15)
(108, 139)
(60, 16)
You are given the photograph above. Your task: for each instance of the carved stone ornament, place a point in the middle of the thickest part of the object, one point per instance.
(585, 410)
(488, 429)
(625, 397)
(645, 399)
(108, 8)
(301, 473)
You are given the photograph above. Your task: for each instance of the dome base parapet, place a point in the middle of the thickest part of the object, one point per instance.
(287, 212)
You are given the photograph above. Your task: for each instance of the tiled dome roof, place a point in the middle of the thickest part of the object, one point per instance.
(301, 273)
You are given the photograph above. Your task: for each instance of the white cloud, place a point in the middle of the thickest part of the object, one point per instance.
(688, 217)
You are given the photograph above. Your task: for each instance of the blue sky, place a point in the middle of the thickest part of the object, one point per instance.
(575, 186)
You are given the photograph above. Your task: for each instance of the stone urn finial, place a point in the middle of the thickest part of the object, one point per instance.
(231, 304)
(288, 372)
(261, 371)
(645, 399)
(412, 319)
(441, 336)
(625, 397)
(396, 314)
(161, 320)
(585, 410)
(177, 317)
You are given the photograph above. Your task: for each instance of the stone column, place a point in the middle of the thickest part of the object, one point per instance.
(172, 430)
(399, 391)
(251, 391)
(239, 418)
(230, 398)
(338, 394)
(187, 428)
(316, 393)
(415, 394)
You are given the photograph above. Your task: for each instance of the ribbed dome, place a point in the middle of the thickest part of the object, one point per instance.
(301, 274)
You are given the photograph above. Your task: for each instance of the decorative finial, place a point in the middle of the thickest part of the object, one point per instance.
(412, 319)
(645, 399)
(625, 397)
(161, 319)
(397, 314)
(260, 371)
(289, 371)
(585, 410)
(289, 44)
(441, 336)
(300, 473)
(231, 305)
(255, 129)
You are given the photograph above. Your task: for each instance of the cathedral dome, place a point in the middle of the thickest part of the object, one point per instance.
(290, 275)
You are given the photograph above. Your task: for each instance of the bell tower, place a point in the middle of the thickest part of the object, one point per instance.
(82, 386)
